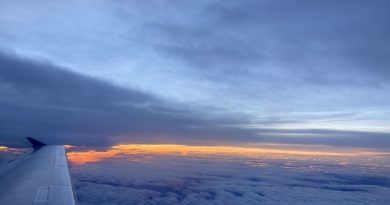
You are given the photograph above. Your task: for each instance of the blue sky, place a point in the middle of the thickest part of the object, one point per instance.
(314, 72)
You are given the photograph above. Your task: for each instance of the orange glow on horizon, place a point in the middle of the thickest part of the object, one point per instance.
(82, 157)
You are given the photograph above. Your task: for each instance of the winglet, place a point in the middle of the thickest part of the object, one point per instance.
(35, 143)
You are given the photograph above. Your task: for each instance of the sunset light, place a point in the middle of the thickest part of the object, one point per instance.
(90, 155)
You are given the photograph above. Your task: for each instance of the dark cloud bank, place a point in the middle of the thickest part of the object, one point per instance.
(43, 100)
(46, 101)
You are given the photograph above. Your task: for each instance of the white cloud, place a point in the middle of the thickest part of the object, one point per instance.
(226, 180)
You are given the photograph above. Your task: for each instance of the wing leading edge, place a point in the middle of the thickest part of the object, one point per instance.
(40, 177)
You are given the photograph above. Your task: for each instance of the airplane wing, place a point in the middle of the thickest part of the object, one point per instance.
(40, 177)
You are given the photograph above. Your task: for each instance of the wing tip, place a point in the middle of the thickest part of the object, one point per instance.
(35, 143)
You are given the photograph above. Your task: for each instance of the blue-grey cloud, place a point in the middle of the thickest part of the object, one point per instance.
(301, 36)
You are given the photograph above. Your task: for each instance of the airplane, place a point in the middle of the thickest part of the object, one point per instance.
(39, 177)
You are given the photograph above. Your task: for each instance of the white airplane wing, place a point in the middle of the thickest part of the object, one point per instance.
(40, 177)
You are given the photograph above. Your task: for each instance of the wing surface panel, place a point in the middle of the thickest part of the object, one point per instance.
(41, 178)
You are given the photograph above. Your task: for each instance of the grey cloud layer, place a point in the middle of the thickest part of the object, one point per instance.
(41, 99)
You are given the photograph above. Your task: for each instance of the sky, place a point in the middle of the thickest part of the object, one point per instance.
(207, 72)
